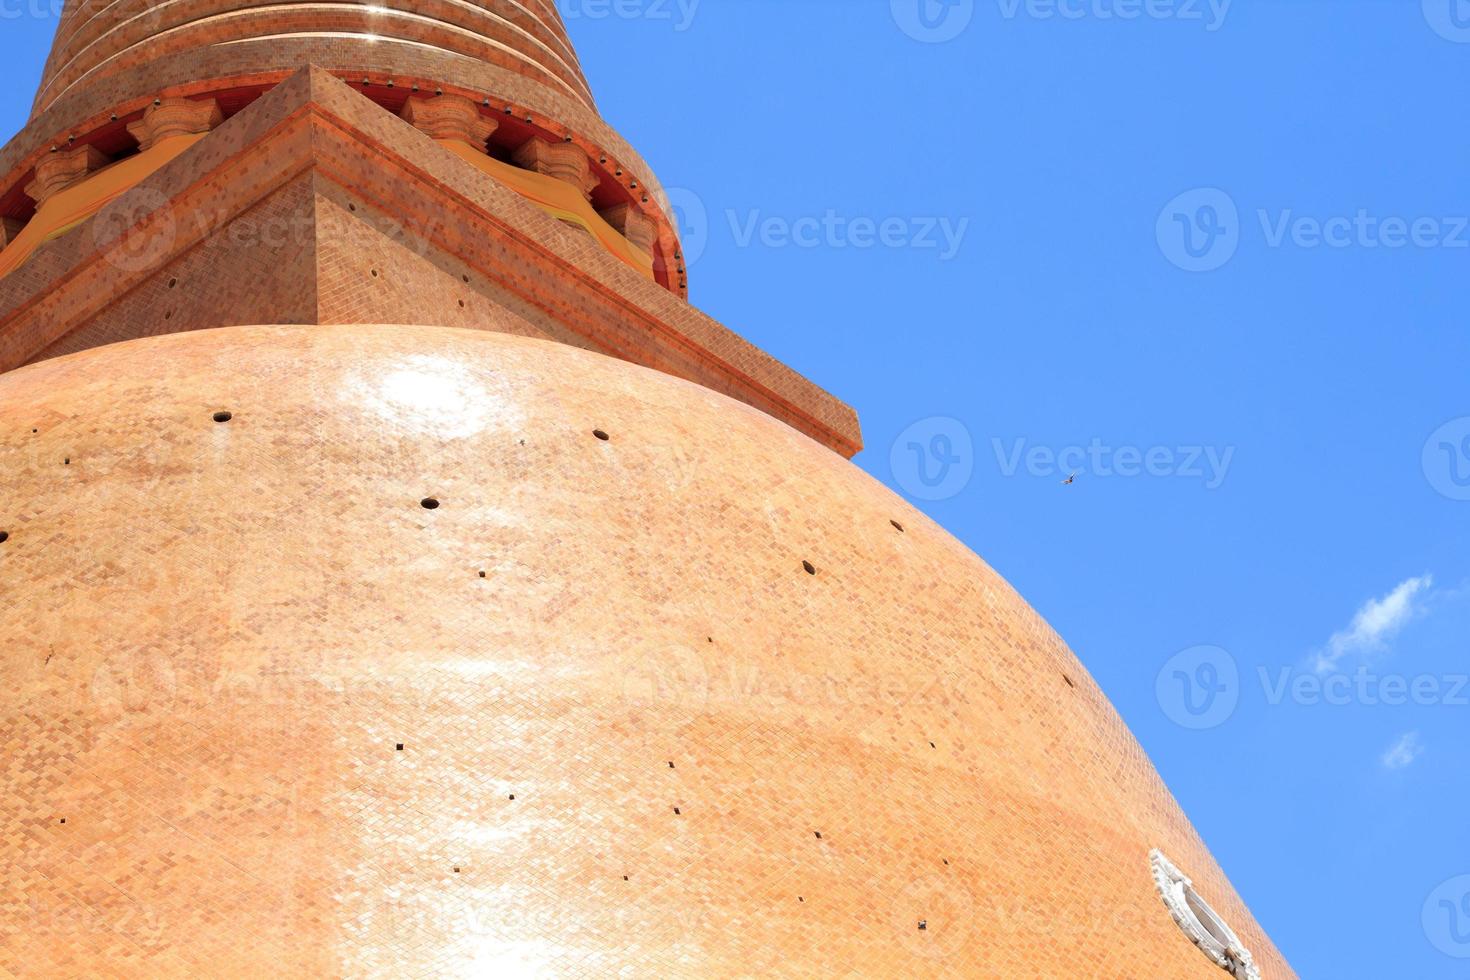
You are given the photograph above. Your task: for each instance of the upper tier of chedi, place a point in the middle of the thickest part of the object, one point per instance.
(113, 60)
(98, 39)
(436, 161)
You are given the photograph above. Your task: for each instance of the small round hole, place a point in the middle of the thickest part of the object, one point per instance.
(461, 304)
(465, 278)
(351, 206)
(429, 503)
(482, 575)
(169, 315)
(223, 416)
(810, 568)
(172, 283)
(375, 273)
(4, 536)
(601, 435)
(897, 526)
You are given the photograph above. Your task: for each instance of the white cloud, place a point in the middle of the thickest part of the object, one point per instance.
(1402, 753)
(1375, 623)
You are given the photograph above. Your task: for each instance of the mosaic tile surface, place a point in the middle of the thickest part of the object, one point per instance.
(355, 651)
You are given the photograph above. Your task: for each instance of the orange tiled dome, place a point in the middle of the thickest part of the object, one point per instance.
(405, 651)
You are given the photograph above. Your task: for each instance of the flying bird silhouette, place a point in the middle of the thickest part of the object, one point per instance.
(1070, 480)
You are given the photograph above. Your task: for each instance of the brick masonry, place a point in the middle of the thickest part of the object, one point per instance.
(659, 685)
(647, 740)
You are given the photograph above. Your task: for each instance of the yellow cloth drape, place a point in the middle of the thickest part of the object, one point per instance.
(81, 201)
(69, 208)
(558, 199)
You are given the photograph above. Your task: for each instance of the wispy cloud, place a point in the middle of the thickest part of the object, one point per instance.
(1403, 752)
(1375, 623)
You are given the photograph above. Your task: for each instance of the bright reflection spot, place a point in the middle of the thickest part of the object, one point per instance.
(511, 960)
(437, 396)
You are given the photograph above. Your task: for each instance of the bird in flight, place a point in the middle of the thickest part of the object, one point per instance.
(1070, 480)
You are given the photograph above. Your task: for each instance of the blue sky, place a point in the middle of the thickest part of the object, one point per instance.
(1213, 258)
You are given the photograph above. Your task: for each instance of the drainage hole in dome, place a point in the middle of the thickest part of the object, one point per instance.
(351, 206)
(482, 575)
(375, 273)
(601, 435)
(676, 811)
(1070, 682)
(810, 568)
(461, 304)
(818, 833)
(429, 503)
(398, 747)
(172, 283)
(223, 416)
(897, 526)
(169, 315)
(4, 536)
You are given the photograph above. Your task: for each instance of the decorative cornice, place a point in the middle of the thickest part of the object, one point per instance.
(60, 170)
(636, 226)
(566, 162)
(449, 117)
(172, 116)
